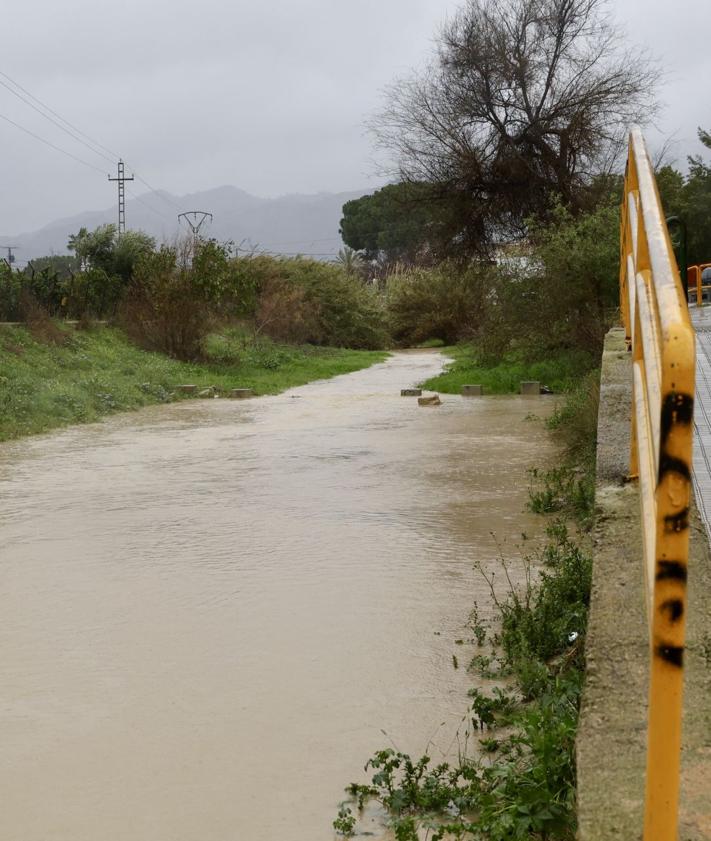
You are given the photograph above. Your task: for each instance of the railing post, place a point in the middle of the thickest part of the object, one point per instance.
(655, 309)
(668, 619)
(693, 278)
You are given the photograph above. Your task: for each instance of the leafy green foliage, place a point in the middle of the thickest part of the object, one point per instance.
(398, 223)
(562, 294)
(522, 102)
(569, 488)
(173, 302)
(540, 314)
(219, 278)
(560, 371)
(91, 293)
(563, 490)
(345, 822)
(10, 289)
(167, 308)
(690, 198)
(89, 284)
(61, 264)
(308, 301)
(103, 249)
(351, 261)
(491, 709)
(537, 622)
(524, 785)
(443, 303)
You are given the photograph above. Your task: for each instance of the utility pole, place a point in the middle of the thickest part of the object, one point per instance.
(121, 197)
(198, 220)
(10, 256)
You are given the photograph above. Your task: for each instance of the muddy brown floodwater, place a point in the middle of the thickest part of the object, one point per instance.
(210, 610)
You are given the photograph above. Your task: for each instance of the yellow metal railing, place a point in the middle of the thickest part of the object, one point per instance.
(663, 344)
(693, 280)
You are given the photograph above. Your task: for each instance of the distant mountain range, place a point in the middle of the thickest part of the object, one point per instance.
(303, 224)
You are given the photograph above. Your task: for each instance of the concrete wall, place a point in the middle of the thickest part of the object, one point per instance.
(612, 735)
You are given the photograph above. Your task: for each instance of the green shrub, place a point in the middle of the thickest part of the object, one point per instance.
(559, 293)
(569, 488)
(286, 314)
(165, 309)
(537, 622)
(10, 289)
(230, 284)
(560, 370)
(319, 303)
(442, 303)
(91, 293)
(526, 790)
(575, 423)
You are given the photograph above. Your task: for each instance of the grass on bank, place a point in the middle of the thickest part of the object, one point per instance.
(55, 376)
(560, 372)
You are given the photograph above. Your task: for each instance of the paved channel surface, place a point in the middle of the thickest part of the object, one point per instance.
(211, 609)
(701, 319)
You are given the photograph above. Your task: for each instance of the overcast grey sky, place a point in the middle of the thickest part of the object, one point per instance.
(269, 97)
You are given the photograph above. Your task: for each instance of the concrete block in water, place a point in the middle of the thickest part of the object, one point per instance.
(410, 392)
(530, 387)
(472, 391)
(429, 401)
(241, 393)
(187, 389)
(208, 392)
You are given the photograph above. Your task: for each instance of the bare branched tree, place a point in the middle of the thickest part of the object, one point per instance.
(525, 100)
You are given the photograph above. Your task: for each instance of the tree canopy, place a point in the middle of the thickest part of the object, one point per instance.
(690, 199)
(103, 249)
(399, 222)
(525, 102)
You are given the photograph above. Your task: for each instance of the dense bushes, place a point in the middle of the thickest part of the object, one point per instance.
(173, 301)
(319, 303)
(168, 299)
(560, 293)
(551, 298)
(10, 287)
(69, 296)
(165, 309)
(440, 303)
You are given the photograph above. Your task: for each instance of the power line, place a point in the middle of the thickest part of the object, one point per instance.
(51, 145)
(303, 239)
(93, 145)
(159, 193)
(150, 207)
(71, 134)
(383, 229)
(290, 253)
(59, 116)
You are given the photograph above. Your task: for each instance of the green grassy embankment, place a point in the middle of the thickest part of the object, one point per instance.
(559, 373)
(59, 376)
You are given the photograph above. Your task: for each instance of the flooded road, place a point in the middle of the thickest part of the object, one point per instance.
(210, 610)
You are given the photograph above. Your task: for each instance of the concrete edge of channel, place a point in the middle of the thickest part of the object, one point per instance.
(611, 741)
